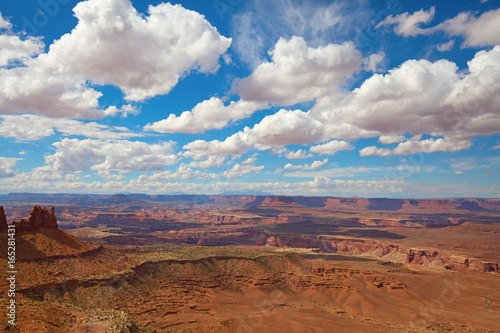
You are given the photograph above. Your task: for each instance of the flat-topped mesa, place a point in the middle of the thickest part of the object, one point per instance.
(3, 219)
(40, 218)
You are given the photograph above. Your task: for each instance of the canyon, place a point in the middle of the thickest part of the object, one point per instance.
(138, 263)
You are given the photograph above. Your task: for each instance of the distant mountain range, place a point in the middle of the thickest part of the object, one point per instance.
(410, 205)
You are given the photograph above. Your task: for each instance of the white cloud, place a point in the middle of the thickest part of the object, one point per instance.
(282, 128)
(250, 160)
(371, 63)
(7, 164)
(297, 155)
(207, 115)
(374, 151)
(233, 145)
(313, 166)
(418, 97)
(410, 95)
(211, 161)
(263, 22)
(159, 178)
(331, 147)
(4, 23)
(382, 186)
(459, 172)
(476, 31)
(415, 146)
(430, 145)
(125, 110)
(298, 73)
(13, 48)
(168, 44)
(108, 155)
(106, 174)
(446, 46)
(239, 170)
(33, 127)
(409, 25)
(33, 89)
(286, 127)
(390, 139)
(421, 97)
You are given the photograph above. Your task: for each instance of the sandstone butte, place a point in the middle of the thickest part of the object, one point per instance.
(39, 218)
(3, 219)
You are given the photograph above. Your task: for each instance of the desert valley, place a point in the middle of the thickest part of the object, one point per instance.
(192, 263)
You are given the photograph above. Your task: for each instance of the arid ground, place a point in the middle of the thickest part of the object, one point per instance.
(137, 263)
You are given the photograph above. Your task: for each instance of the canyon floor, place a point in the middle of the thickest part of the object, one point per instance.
(135, 263)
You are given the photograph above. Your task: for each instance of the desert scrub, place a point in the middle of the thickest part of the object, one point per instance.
(157, 253)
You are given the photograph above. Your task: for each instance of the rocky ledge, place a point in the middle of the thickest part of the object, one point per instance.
(39, 218)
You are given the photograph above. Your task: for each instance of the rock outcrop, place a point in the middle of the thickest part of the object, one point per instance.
(3, 219)
(40, 218)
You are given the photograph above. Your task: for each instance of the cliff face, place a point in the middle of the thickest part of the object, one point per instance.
(387, 251)
(3, 219)
(40, 218)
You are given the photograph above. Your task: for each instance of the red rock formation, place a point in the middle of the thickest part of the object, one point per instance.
(40, 218)
(3, 219)
(279, 201)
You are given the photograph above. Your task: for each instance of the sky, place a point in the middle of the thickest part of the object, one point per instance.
(381, 98)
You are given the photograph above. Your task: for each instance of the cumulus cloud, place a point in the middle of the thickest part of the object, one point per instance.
(374, 151)
(371, 63)
(423, 97)
(13, 48)
(331, 147)
(33, 127)
(476, 31)
(313, 166)
(7, 165)
(108, 155)
(282, 128)
(125, 110)
(446, 46)
(297, 155)
(207, 115)
(390, 139)
(298, 73)
(159, 178)
(211, 161)
(4, 23)
(410, 25)
(236, 144)
(414, 146)
(250, 160)
(168, 44)
(185, 172)
(382, 186)
(239, 170)
(418, 97)
(286, 127)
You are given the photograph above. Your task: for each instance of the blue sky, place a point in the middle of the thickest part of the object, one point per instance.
(369, 98)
